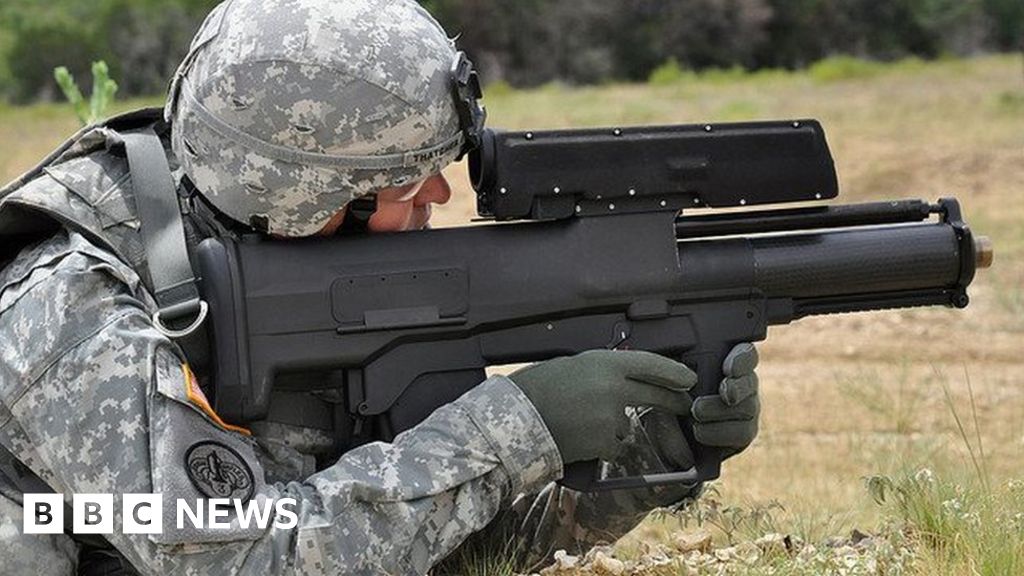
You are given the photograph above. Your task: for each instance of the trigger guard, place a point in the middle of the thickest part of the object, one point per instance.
(585, 477)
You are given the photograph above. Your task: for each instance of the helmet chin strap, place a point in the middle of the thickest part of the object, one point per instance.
(359, 211)
(357, 215)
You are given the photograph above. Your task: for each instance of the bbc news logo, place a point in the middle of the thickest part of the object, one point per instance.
(144, 514)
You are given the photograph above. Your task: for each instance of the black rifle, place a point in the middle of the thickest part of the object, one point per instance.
(386, 328)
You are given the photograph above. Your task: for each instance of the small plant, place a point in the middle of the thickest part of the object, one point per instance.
(103, 91)
(736, 523)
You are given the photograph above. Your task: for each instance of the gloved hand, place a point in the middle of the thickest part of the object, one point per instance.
(582, 399)
(728, 420)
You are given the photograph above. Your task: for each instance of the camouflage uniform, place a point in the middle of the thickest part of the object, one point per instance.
(93, 399)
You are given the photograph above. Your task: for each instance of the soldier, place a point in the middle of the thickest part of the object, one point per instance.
(281, 114)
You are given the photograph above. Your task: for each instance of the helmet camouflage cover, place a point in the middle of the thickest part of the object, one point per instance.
(285, 110)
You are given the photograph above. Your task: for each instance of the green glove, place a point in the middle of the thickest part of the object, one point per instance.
(728, 420)
(582, 399)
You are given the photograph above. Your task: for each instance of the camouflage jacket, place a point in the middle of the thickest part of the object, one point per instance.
(94, 400)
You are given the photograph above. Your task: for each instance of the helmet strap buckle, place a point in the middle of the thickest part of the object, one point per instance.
(467, 93)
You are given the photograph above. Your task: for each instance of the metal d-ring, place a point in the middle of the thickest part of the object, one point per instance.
(188, 330)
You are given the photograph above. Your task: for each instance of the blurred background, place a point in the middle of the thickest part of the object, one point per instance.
(530, 42)
(890, 443)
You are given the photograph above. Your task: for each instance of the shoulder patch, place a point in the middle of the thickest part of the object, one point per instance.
(217, 471)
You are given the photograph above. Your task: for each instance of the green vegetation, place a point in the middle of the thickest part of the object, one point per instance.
(831, 69)
(103, 91)
(533, 42)
(141, 40)
(669, 73)
(959, 527)
(960, 523)
(843, 68)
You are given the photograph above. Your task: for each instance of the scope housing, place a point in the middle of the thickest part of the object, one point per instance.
(538, 175)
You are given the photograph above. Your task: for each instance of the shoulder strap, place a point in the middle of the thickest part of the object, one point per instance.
(163, 233)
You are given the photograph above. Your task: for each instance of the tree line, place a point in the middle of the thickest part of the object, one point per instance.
(529, 42)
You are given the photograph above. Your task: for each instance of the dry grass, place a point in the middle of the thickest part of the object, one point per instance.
(849, 397)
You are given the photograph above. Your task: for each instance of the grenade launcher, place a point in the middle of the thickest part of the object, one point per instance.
(591, 244)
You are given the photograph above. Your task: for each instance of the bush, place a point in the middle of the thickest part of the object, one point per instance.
(725, 75)
(668, 73)
(836, 68)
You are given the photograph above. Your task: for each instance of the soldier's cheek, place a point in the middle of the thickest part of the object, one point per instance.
(392, 217)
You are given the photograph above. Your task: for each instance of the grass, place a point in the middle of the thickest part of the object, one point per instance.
(29, 133)
(893, 397)
(846, 398)
(962, 523)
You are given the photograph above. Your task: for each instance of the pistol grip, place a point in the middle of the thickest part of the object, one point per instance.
(708, 366)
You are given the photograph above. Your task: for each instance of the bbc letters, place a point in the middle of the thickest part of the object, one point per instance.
(143, 513)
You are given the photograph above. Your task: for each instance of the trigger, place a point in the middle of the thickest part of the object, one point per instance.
(620, 333)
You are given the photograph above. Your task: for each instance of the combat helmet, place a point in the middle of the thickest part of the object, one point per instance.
(286, 110)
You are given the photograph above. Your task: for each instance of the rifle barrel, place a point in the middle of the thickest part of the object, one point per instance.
(832, 271)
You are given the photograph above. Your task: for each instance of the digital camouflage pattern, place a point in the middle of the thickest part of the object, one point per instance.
(284, 110)
(75, 332)
(38, 555)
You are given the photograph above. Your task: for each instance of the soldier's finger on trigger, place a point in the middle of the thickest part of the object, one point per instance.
(741, 360)
(736, 390)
